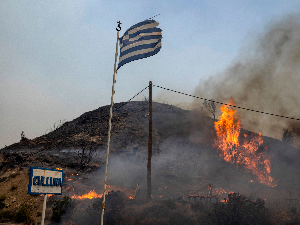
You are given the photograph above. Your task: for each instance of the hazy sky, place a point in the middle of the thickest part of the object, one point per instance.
(57, 57)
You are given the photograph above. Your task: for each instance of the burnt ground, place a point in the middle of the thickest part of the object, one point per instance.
(172, 179)
(183, 162)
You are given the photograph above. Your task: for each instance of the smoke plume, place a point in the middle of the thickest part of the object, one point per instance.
(264, 78)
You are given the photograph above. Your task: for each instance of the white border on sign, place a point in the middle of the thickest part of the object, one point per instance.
(46, 173)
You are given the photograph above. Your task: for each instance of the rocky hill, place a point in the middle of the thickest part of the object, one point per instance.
(183, 157)
(129, 127)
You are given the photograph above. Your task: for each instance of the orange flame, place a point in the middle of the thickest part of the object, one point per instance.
(48, 195)
(92, 194)
(228, 131)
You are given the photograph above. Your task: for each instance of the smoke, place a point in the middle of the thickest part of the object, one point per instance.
(265, 78)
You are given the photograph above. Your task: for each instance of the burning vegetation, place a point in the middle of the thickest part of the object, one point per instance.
(244, 151)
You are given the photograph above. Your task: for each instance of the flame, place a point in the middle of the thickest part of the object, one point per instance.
(58, 169)
(130, 197)
(228, 131)
(92, 194)
(48, 195)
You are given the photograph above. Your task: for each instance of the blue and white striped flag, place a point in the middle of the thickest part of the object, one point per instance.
(140, 41)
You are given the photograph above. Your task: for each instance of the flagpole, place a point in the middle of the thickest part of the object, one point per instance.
(109, 125)
(149, 144)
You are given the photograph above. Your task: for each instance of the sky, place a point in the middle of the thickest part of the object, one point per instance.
(57, 57)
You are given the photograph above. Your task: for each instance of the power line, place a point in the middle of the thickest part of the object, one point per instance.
(271, 114)
(131, 99)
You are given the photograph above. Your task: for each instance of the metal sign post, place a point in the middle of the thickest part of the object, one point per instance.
(44, 209)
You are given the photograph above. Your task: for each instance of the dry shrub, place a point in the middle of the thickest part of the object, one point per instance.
(23, 215)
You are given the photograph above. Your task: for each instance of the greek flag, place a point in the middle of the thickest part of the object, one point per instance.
(140, 41)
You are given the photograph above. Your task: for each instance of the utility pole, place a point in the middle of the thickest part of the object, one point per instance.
(149, 143)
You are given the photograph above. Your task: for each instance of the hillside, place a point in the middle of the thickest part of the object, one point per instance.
(184, 159)
(129, 127)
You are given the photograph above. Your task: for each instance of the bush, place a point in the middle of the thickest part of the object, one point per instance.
(13, 187)
(239, 210)
(114, 203)
(61, 207)
(6, 214)
(23, 215)
(287, 136)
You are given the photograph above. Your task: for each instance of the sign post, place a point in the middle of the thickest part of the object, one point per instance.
(45, 181)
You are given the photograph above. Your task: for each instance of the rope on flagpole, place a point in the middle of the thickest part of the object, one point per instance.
(109, 126)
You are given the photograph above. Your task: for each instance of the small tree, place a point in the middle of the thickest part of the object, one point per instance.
(211, 106)
(23, 215)
(23, 138)
(86, 155)
(145, 99)
(287, 136)
(61, 207)
(56, 125)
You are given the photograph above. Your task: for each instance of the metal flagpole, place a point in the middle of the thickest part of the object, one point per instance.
(150, 142)
(109, 126)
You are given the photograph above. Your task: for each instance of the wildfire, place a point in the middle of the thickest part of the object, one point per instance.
(92, 194)
(227, 141)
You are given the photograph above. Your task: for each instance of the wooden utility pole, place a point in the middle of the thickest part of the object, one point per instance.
(149, 142)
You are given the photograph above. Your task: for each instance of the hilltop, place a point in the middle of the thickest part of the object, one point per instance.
(129, 127)
(183, 157)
